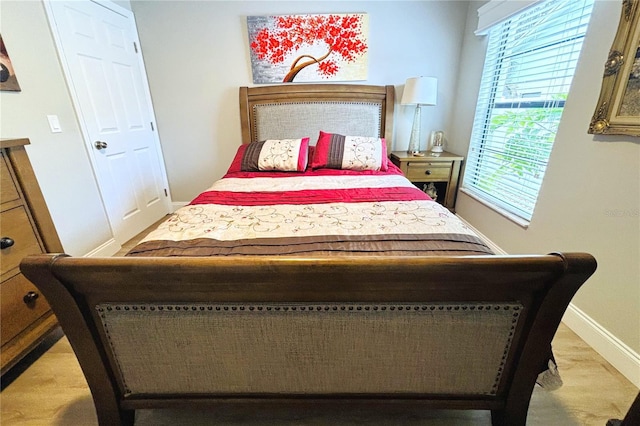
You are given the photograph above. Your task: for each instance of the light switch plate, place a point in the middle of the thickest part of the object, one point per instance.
(54, 123)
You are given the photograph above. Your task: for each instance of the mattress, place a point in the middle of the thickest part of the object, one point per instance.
(315, 212)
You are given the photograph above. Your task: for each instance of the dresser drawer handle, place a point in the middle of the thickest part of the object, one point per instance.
(428, 172)
(6, 242)
(30, 297)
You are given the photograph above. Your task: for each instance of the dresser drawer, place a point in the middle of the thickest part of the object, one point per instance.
(422, 171)
(16, 225)
(15, 314)
(9, 192)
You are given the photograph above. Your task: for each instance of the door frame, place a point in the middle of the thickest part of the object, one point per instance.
(76, 103)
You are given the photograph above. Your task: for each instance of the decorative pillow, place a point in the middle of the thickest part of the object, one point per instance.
(334, 151)
(284, 155)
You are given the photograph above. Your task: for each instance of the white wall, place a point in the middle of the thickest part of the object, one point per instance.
(60, 161)
(590, 198)
(196, 54)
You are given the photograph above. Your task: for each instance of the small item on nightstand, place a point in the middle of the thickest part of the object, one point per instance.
(437, 139)
(418, 154)
(430, 190)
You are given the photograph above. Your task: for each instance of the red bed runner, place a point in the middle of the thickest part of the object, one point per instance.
(316, 196)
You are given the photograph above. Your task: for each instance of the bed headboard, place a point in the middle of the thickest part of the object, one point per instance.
(299, 110)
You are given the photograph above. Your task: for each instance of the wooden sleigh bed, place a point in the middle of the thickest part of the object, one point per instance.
(270, 290)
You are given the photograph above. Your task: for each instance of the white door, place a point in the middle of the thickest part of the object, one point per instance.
(100, 52)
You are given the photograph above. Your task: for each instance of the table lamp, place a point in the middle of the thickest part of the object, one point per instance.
(418, 91)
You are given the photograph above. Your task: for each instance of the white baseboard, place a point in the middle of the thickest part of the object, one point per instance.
(107, 249)
(619, 355)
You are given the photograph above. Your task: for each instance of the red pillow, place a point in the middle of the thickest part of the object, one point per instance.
(334, 151)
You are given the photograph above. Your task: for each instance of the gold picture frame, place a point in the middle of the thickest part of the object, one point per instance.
(618, 108)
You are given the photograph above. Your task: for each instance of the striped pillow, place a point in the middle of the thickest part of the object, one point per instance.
(284, 155)
(334, 151)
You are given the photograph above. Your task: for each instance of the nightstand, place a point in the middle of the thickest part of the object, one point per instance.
(442, 170)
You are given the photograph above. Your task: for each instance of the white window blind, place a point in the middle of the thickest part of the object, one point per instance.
(496, 11)
(529, 65)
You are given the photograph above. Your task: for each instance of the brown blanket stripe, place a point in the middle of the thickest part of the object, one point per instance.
(251, 157)
(398, 244)
(336, 152)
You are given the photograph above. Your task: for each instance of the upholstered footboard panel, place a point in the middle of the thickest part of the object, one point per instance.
(309, 348)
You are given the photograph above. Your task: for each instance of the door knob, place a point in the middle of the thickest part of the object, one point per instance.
(100, 145)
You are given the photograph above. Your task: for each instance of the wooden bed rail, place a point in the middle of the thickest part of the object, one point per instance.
(235, 320)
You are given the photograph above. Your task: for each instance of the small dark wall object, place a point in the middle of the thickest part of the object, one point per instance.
(4, 74)
(8, 80)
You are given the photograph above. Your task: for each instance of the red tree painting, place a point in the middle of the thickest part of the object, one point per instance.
(328, 42)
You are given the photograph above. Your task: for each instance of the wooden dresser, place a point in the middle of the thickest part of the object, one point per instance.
(25, 228)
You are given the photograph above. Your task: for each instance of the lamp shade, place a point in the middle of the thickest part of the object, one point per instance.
(420, 91)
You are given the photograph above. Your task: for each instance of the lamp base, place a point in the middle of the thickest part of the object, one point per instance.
(414, 141)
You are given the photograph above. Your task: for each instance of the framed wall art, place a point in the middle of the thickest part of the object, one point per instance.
(618, 108)
(8, 79)
(306, 48)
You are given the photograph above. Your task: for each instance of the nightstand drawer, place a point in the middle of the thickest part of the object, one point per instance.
(417, 172)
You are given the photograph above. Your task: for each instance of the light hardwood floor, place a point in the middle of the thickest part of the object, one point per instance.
(52, 391)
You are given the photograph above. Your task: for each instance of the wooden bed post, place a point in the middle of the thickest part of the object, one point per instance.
(578, 268)
(93, 362)
(244, 116)
(390, 105)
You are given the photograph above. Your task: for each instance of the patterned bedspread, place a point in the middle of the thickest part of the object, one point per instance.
(317, 212)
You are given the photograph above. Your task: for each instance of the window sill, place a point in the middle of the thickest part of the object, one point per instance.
(523, 223)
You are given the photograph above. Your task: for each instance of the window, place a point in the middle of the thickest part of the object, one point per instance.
(529, 65)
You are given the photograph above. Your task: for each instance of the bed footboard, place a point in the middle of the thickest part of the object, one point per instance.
(447, 332)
